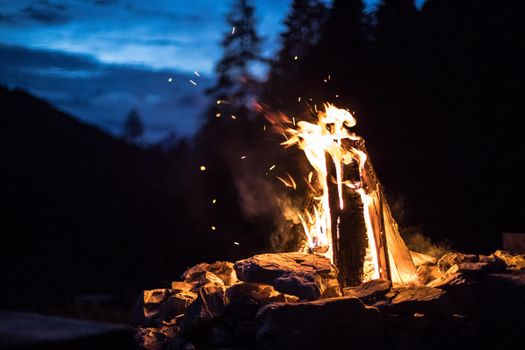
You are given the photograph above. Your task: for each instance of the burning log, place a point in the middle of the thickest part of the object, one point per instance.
(348, 227)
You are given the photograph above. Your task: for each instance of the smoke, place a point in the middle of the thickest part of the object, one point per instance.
(417, 242)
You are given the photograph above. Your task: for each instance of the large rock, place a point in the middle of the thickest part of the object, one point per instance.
(221, 269)
(307, 276)
(209, 305)
(470, 263)
(175, 305)
(513, 262)
(369, 292)
(336, 323)
(417, 299)
(147, 306)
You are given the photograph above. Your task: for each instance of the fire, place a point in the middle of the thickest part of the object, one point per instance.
(319, 141)
(332, 149)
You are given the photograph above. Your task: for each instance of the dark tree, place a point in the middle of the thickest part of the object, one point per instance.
(236, 83)
(303, 30)
(133, 126)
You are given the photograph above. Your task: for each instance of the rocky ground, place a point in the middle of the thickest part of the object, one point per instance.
(293, 301)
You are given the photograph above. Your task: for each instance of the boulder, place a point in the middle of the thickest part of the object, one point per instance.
(175, 305)
(222, 269)
(335, 323)
(179, 286)
(427, 273)
(369, 292)
(307, 276)
(147, 306)
(450, 259)
(416, 299)
(513, 262)
(210, 304)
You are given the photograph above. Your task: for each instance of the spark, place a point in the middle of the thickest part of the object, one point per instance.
(213, 228)
(315, 106)
(243, 157)
(197, 74)
(214, 201)
(170, 80)
(236, 243)
(234, 117)
(219, 102)
(329, 76)
(326, 81)
(203, 168)
(264, 127)
(194, 83)
(233, 30)
(218, 115)
(299, 99)
(293, 120)
(337, 96)
(272, 167)
(296, 58)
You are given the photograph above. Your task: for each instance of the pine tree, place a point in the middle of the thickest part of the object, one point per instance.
(133, 127)
(236, 83)
(395, 21)
(303, 30)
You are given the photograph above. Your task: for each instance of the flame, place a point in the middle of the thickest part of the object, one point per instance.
(322, 142)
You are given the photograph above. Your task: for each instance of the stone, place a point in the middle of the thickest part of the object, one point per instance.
(179, 286)
(175, 305)
(450, 259)
(335, 323)
(147, 306)
(417, 299)
(307, 276)
(420, 259)
(370, 291)
(222, 269)
(210, 304)
(428, 273)
(513, 262)
(156, 338)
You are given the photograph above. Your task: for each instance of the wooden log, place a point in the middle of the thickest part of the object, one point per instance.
(349, 240)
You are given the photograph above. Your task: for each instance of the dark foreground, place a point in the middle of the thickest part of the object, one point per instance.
(293, 301)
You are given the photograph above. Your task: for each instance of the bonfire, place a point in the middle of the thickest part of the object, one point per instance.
(354, 284)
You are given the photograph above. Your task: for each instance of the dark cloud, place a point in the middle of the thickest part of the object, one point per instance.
(102, 94)
(105, 2)
(46, 12)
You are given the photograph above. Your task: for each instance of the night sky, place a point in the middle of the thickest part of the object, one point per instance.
(97, 59)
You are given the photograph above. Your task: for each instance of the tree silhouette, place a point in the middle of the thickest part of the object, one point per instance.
(133, 127)
(236, 84)
(303, 30)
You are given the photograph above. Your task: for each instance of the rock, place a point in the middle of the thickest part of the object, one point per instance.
(513, 262)
(417, 299)
(178, 286)
(206, 278)
(420, 259)
(427, 273)
(450, 259)
(222, 269)
(210, 304)
(450, 279)
(147, 306)
(336, 323)
(471, 263)
(175, 305)
(246, 298)
(370, 291)
(307, 276)
(156, 338)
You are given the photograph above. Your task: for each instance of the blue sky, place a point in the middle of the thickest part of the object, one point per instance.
(99, 58)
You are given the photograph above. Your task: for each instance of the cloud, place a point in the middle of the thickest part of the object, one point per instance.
(102, 94)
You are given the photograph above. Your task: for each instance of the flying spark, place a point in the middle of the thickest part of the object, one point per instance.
(243, 157)
(236, 243)
(213, 228)
(194, 83)
(197, 74)
(203, 168)
(272, 167)
(214, 201)
(233, 30)
(170, 80)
